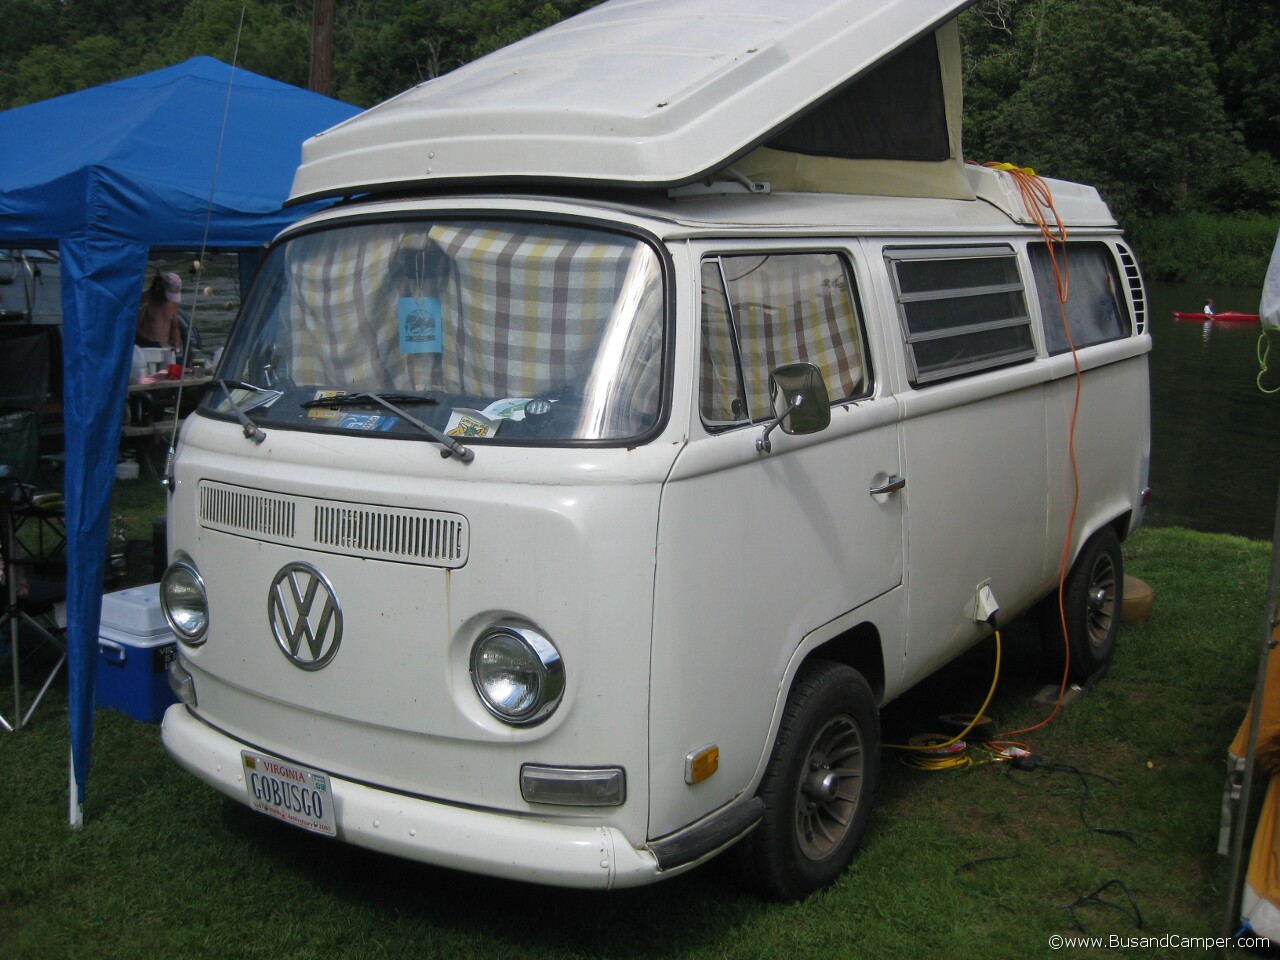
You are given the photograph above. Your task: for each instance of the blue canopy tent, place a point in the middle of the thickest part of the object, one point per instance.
(196, 155)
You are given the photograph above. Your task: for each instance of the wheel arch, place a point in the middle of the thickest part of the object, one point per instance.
(858, 647)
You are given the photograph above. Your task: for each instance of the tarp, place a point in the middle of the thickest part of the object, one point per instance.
(1270, 308)
(197, 155)
(1260, 898)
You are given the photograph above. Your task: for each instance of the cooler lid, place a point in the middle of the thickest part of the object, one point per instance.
(134, 613)
(639, 93)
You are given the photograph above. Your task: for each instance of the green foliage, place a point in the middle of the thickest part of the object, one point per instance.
(49, 71)
(269, 42)
(1200, 248)
(1080, 100)
(385, 48)
(1252, 183)
(1168, 106)
(1252, 83)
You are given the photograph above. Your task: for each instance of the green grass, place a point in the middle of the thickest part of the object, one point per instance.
(982, 862)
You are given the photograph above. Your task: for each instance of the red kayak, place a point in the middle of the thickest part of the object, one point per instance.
(1226, 316)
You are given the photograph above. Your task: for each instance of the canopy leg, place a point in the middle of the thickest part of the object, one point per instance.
(75, 813)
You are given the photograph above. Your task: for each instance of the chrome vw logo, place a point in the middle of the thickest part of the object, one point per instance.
(302, 605)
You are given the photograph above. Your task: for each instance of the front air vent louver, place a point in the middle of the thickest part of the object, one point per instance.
(237, 510)
(428, 537)
(1133, 277)
(395, 534)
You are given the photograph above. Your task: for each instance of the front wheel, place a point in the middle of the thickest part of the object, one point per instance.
(1092, 597)
(819, 783)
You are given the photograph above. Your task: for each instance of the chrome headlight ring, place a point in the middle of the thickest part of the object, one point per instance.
(185, 602)
(517, 673)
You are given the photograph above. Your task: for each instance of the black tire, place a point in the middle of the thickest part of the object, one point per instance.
(819, 784)
(1092, 598)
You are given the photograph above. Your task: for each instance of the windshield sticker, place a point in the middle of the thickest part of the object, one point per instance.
(371, 422)
(508, 409)
(470, 423)
(419, 325)
(326, 413)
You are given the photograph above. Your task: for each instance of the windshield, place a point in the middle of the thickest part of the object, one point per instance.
(482, 330)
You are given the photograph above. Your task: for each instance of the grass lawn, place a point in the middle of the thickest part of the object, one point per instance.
(983, 862)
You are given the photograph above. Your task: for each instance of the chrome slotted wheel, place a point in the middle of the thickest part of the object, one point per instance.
(818, 785)
(1100, 604)
(1092, 598)
(829, 791)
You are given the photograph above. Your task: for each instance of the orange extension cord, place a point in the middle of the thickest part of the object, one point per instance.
(1037, 198)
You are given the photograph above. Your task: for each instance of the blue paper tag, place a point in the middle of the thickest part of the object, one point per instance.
(420, 326)
(372, 422)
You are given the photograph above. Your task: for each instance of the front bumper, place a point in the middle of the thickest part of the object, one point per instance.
(461, 838)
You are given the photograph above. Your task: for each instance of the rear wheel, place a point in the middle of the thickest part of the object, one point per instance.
(818, 786)
(1092, 597)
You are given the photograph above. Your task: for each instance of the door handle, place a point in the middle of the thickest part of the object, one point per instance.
(895, 482)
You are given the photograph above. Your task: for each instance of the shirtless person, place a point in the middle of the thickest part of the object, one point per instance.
(158, 319)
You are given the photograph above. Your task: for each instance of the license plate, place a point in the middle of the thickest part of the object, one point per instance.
(288, 792)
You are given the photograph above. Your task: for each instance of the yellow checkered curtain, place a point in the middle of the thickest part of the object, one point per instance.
(340, 295)
(719, 374)
(789, 308)
(525, 310)
(532, 306)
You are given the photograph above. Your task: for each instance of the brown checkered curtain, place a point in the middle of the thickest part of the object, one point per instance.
(525, 310)
(789, 308)
(719, 374)
(341, 299)
(533, 306)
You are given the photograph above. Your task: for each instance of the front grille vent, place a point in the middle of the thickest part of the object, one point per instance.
(395, 534)
(428, 537)
(238, 510)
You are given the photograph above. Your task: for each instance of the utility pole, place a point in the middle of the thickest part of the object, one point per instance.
(321, 80)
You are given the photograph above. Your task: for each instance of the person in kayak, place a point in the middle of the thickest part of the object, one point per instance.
(1208, 307)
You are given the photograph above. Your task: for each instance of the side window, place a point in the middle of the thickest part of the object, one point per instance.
(962, 310)
(1094, 311)
(763, 310)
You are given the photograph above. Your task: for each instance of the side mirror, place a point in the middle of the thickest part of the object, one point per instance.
(801, 404)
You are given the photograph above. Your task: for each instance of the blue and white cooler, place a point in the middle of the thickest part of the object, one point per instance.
(135, 646)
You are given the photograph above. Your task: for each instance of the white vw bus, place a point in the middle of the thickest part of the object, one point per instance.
(664, 397)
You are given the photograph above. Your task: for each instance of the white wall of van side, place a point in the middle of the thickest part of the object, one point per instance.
(755, 551)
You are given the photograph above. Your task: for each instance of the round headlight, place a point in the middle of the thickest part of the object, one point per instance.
(518, 674)
(185, 604)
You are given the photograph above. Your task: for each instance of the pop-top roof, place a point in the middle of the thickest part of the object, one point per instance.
(633, 93)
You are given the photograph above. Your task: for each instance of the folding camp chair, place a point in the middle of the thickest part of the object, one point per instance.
(32, 586)
(24, 386)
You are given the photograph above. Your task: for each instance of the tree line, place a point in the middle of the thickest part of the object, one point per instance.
(1170, 107)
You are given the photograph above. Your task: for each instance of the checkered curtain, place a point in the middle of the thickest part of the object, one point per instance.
(786, 308)
(524, 311)
(719, 374)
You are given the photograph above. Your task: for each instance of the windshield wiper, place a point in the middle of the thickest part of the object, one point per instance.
(251, 430)
(452, 447)
(367, 399)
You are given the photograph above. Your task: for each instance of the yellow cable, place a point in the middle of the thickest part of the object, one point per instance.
(995, 679)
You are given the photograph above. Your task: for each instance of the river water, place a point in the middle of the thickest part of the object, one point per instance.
(1215, 447)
